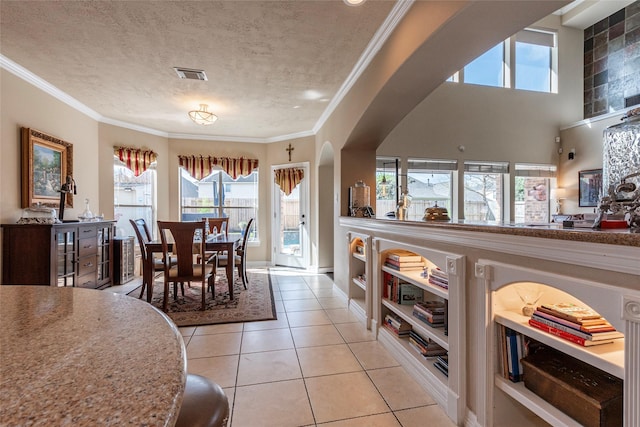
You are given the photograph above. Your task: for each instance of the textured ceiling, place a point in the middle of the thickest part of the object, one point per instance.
(273, 66)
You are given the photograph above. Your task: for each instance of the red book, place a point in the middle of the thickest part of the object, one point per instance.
(565, 335)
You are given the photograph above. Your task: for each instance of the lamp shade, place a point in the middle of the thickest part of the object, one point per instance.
(558, 193)
(202, 116)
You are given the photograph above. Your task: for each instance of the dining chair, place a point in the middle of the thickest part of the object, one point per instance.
(240, 256)
(150, 264)
(220, 224)
(185, 237)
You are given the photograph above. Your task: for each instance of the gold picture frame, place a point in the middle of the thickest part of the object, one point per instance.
(46, 163)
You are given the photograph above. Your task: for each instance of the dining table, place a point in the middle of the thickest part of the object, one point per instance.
(218, 242)
(86, 357)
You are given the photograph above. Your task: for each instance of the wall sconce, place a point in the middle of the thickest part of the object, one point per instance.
(572, 154)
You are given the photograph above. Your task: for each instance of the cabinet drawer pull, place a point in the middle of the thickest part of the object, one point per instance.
(87, 246)
(87, 231)
(89, 264)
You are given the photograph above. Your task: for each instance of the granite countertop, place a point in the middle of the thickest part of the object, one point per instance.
(623, 237)
(85, 357)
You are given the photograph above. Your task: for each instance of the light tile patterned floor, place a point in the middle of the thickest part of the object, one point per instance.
(316, 365)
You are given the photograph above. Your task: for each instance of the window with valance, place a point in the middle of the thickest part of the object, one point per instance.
(135, 159)
(288, 178)
(200, 167)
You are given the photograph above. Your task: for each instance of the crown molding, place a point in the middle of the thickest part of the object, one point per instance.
(45, 86)
(379, 38)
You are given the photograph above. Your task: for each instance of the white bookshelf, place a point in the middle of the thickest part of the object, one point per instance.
(449, 391)
(503, 305)
(359, 291)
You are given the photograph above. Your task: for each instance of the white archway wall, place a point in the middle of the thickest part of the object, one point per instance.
(326, 200)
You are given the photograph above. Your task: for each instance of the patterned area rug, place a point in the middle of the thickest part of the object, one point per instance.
(253, 304)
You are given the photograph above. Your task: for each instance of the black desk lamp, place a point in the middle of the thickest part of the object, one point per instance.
(67, 187)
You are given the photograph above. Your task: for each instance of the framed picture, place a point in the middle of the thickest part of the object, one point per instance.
(46, 163)
(589, 187)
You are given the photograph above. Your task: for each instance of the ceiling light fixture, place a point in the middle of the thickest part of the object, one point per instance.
(202, 116)
(354, 2)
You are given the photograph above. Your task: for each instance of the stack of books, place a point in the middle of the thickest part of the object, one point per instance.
(439, 278)
(426, 347)
(442, 363)
(580, 325)
(396, 325)
(430, 312)
(402, 260)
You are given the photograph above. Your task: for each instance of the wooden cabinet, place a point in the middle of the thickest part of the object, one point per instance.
(123, 260)
(67, 254)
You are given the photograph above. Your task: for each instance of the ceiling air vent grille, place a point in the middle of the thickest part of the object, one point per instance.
(190, 74)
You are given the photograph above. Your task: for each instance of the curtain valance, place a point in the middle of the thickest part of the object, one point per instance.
(288, 179)
(135, 159)
(202, 166)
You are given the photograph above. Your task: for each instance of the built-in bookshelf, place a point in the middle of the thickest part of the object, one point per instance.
(359, 292)
(397, 292)
(505, 288)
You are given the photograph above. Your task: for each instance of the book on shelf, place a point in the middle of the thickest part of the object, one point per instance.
(402, 264)
(603, 326)
(425, 346)
(403, 255)
(601, 321)
(409, 294)
(398, 326)
(572, 312)
(574, 328)
(567, 336)
(430, 312)
(439, 278)
(514, 354)
(441, 367)
(401, 268)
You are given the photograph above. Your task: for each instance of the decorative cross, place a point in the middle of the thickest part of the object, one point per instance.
(290, 149)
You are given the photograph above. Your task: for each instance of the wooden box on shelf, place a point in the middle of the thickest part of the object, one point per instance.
(589, 395)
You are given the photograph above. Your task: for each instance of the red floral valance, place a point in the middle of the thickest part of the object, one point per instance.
(202, 166)
(135, 159)
(288, 179)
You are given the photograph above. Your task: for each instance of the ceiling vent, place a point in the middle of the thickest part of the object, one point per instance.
(190, 74)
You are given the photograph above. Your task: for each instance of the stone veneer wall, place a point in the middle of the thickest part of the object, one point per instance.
(612, 62)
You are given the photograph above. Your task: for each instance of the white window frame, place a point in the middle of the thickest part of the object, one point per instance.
(152, 170)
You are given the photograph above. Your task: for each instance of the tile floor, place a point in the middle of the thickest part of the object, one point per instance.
(316, 365)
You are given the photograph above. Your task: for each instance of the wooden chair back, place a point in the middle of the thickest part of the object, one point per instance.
(142, 234)
(183, 235)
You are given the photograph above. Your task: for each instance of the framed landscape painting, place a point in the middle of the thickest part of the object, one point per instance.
(589, 187)
(46, 162)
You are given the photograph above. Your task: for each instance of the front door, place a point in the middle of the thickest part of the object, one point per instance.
(290, 233)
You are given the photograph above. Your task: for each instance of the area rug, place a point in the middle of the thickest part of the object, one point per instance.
(253, 304)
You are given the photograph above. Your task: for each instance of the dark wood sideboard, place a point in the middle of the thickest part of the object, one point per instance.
(76, 254)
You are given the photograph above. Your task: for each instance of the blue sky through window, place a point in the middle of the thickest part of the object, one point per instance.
(487, 69)
(533, 67)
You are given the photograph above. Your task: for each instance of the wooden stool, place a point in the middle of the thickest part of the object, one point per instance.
(204, 404)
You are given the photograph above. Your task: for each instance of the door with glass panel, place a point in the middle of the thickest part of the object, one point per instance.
(290, 232)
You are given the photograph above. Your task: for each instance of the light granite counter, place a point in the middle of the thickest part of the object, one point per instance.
(81, 357)
(622, 237)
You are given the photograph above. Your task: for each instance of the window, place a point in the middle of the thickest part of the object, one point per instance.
(530, 58)
(532, 192)
(430, 183)
(534, 61)
(133, 197)
(488, 69)
(218, 195)
(387, 170)
(484, 189)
